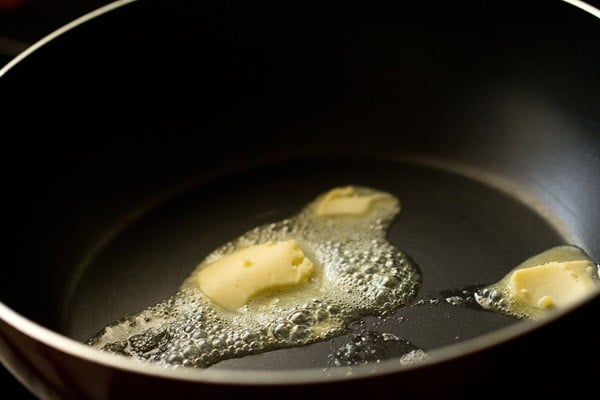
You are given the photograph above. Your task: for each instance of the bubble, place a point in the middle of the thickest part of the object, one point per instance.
(203, 345)
(383, 296)
(199, 334)
(174, 358)
(282, 330)
(495, 295)
(191, 352)
(303, 317)
(321, 315)
(455, 300)
(371, 346)
(248, 336)
(333, 309)
(299, 332)
(218, 343)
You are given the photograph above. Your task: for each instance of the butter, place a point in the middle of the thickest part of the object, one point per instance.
(553, 279)
(553, 284)
(345, 200)
(232, 280)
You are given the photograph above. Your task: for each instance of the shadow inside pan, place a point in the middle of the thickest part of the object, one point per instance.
(461, 232)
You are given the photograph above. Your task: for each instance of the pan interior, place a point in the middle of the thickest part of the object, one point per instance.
(461, 232)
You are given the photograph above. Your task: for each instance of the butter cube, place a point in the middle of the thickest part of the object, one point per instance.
(345, 200)
(553, 284)
(232, 280)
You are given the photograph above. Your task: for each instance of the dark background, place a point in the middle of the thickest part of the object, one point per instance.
(22, 23)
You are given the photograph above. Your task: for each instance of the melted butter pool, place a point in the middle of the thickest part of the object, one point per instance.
(358, 273)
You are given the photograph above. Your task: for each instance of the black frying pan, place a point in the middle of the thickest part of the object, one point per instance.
(153, 132)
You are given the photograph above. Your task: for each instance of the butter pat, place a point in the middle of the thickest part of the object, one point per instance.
(232, 280)
(554, 284)
(345, 200)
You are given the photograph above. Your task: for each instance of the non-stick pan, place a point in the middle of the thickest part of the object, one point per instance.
(145, 135)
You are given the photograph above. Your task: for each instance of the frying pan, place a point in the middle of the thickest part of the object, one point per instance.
(146, 134)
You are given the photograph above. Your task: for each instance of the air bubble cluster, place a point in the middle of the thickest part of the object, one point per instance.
(371, 346)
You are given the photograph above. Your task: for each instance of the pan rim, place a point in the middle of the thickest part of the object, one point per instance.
(582, 5)
(62, 30)
(300, 376)
(79, 350)
(319, 375)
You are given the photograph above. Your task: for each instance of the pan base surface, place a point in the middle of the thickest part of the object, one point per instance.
(460, 231)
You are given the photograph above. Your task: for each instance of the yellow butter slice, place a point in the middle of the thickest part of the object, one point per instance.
(232, 280)
(553, 284)
(345, 200)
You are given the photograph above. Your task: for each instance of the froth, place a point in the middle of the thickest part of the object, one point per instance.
(369, 346)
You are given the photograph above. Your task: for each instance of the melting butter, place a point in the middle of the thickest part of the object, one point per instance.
(289, 283)
(347, 200)
(554, 279)
(236, 277)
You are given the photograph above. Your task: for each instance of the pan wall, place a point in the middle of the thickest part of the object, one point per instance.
(109, 114)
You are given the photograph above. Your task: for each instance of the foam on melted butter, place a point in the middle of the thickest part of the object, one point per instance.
(554, 279)
(355, 272)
